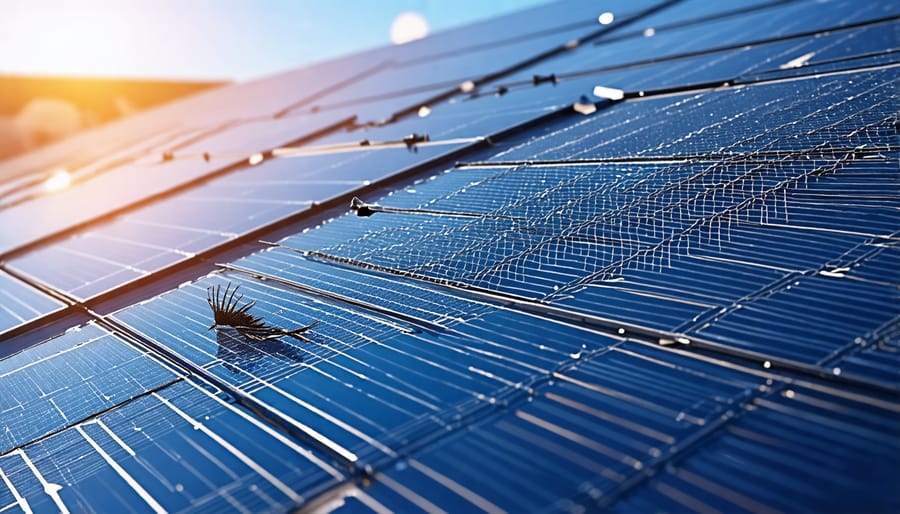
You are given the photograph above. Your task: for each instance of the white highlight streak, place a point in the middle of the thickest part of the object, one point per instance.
(22, 502)
(798, 62)
(275, 435)
(114, 436)
(234, 451)
(52, 490)
(122, 473)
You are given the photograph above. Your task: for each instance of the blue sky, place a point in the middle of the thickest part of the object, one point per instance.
(207, 39)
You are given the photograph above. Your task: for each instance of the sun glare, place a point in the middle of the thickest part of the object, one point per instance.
(408, 26)
(59, 180)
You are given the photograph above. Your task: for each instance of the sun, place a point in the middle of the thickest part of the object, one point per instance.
(408, 26)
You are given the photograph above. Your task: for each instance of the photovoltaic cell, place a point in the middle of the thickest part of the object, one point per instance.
(845, 111)
(368, 384)
(809, 319)
(804, 467)
(178, 448)
(22, 303)
(148, 239)
(70, 378)
(742, 240)
(79, 204)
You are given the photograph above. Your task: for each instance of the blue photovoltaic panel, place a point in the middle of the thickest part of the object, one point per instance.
(810, 319)
(179, 448)
(783, 17)
(880, 359)
(439, 74)
(431, 305)
(22, 303)
(70, 378)
(805, 115)
(439, 64)
(722, 39)
(643, 243)
(244, 138)
(53, 213)
(148, 239)
(684, 301)
(33, 184)
(609, 421)
(784, 456)
(413, 380)
(601, 218)
(489, 112)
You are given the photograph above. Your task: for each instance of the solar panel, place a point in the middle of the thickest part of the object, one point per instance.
(415, 377)
(677, 293)
(180, 447)
(142, 241)
(22, 303)
(70, 378)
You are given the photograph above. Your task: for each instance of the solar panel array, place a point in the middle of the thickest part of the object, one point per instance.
(677, 291)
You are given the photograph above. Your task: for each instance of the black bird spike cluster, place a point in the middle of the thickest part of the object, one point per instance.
(228, 313)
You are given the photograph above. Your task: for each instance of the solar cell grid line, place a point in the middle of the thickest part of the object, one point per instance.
(790, 423)
(595, 429)
(526, 61)
(154, 236)
(67, 379)
(178, 447)
(692, 41)
(22, 303)
(522, 266)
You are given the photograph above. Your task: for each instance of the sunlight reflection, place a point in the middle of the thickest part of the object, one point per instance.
(59, 180)
(408, 26)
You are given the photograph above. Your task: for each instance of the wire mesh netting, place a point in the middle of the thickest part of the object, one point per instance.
(540, 229)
